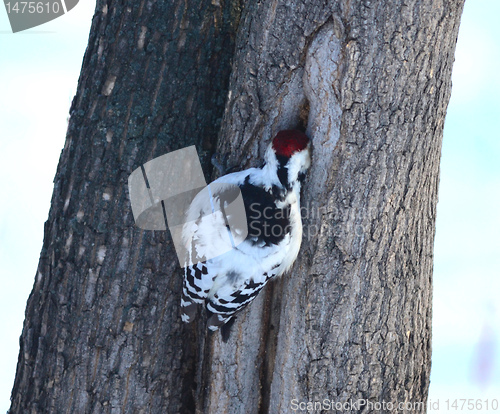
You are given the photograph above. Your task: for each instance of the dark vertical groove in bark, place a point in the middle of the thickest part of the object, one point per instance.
(202, 385)
(102, 330)
(270, 329)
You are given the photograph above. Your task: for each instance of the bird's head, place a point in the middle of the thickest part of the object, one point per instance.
(290, 154)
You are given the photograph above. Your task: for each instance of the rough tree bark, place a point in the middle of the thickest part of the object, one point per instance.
(370, 81)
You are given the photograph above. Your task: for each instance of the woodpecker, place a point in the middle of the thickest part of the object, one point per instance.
(225, 284)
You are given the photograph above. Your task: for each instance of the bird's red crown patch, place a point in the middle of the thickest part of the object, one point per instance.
(288, 142)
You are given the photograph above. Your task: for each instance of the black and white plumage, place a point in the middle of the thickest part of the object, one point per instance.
(228, 282)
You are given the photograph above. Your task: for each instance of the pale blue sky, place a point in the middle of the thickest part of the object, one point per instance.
(39, 70)
(466, 316)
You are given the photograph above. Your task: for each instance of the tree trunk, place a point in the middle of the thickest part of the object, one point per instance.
(370, 82)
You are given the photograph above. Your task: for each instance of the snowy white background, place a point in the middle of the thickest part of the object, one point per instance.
(39, 70)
